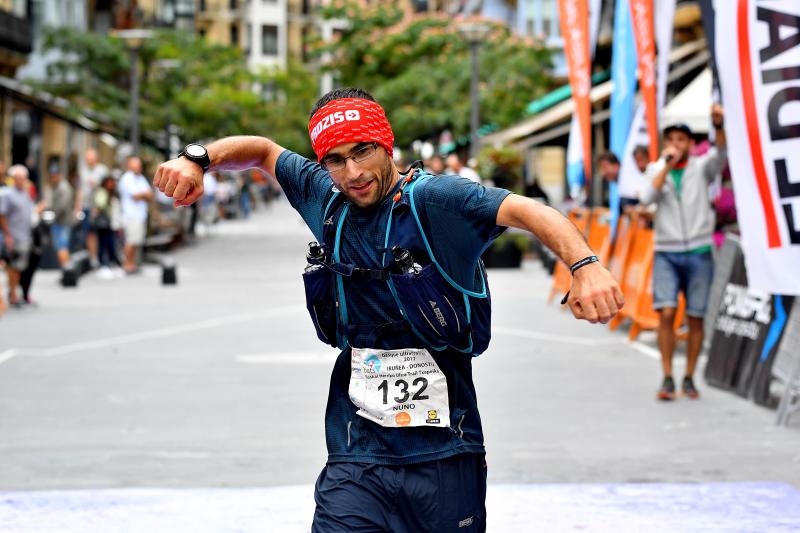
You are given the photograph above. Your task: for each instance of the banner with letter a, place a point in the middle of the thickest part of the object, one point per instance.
(574, 16)
(760, 80)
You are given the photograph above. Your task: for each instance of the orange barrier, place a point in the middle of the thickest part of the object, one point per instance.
(632, 266)
(599, 237)
(626, 229)
(635, 268)
(561, 276)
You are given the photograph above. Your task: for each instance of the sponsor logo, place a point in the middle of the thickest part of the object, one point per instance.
(438, 313)
(402, 419)
(328, 222)
(373, 363)
(466, 522)
(332, 119)
(433, 417)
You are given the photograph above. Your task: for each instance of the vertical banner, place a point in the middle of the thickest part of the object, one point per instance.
(574, 16)
(576, 177)
(629, 176)
(623, 78)
(760, 81)
(644, 35)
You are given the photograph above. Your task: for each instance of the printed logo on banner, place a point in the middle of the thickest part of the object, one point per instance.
(766, 93)
(743, 310)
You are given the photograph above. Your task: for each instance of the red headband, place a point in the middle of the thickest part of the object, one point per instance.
(349, 120)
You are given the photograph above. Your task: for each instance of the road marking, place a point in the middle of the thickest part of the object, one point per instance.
(296, 358)
(163, 332)
(541, 336)
(641, 347)
(8, 354)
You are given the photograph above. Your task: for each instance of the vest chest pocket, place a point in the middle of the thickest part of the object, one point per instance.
(438, 312)
(320, 302)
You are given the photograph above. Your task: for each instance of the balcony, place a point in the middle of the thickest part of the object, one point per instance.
(16, 34)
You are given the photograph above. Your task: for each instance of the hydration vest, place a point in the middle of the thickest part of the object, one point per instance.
(440, 312)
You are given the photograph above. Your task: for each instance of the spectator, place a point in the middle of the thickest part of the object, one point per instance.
(641, 154)
(135, 194)
(104, 199)
(684, 226)
(91, 174)
(61, 199)
(16, 213)
(455, 166)
(435, 165)
(608, 166)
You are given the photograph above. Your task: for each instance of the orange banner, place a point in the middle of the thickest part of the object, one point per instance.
(574, 15)
(643, 33)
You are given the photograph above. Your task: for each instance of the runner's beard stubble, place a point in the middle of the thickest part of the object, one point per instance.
(385, 180)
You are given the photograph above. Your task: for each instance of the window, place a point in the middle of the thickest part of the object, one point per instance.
(269, 40)
(248, 38)
(235, 34)
(550, 26)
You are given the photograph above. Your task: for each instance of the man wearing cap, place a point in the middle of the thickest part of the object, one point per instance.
(418, 469)
(684, 226)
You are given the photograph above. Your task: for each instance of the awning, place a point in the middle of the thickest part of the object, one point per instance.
(691, 105)
(55, 106)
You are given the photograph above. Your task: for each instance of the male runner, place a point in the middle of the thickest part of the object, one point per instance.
(392, 469)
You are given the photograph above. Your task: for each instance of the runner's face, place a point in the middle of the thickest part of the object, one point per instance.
(367, 182)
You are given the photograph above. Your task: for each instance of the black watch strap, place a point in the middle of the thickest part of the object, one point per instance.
(196, 153)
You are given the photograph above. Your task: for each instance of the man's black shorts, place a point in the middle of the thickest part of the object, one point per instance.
(438, 496)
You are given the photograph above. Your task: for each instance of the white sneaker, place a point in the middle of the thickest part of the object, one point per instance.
(105, 273)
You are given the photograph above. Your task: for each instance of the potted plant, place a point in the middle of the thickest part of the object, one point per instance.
(503, 165)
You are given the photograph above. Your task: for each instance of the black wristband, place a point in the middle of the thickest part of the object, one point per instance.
(583, 262)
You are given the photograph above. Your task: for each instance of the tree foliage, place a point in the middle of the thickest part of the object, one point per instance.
(418, 67)
(204, 89)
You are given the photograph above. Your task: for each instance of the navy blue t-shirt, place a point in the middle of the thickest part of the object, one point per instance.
(459, 220)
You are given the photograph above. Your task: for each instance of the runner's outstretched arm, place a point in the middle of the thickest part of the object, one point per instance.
(182, 179)
(595, 295)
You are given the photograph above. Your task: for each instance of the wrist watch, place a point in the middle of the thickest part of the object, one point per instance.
(196, 153)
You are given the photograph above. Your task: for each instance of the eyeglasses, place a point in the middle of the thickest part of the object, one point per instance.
(335, 162)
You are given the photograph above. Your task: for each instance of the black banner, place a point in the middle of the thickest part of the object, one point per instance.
(746, 335)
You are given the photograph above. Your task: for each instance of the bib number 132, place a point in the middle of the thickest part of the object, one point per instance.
(419, 384)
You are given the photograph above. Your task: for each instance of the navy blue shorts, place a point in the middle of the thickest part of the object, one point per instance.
(442, 496)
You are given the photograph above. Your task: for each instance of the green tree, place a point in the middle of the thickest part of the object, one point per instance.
(418, 67)
(204, 89)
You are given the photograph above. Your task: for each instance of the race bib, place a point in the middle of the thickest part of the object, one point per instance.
(399, 388)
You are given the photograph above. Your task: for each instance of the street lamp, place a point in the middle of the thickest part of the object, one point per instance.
(171, 141)
(474, 33)
(134, 39)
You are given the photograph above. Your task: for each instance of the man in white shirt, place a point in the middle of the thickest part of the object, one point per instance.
(135, 196)
(455, 166)
(92, 173)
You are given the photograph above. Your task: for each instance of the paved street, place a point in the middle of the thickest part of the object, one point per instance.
(220, 383)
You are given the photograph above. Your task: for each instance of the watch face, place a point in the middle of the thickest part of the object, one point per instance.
(195, 150)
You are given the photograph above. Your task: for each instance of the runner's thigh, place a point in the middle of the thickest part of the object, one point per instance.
(351, 498)
(443, 496)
